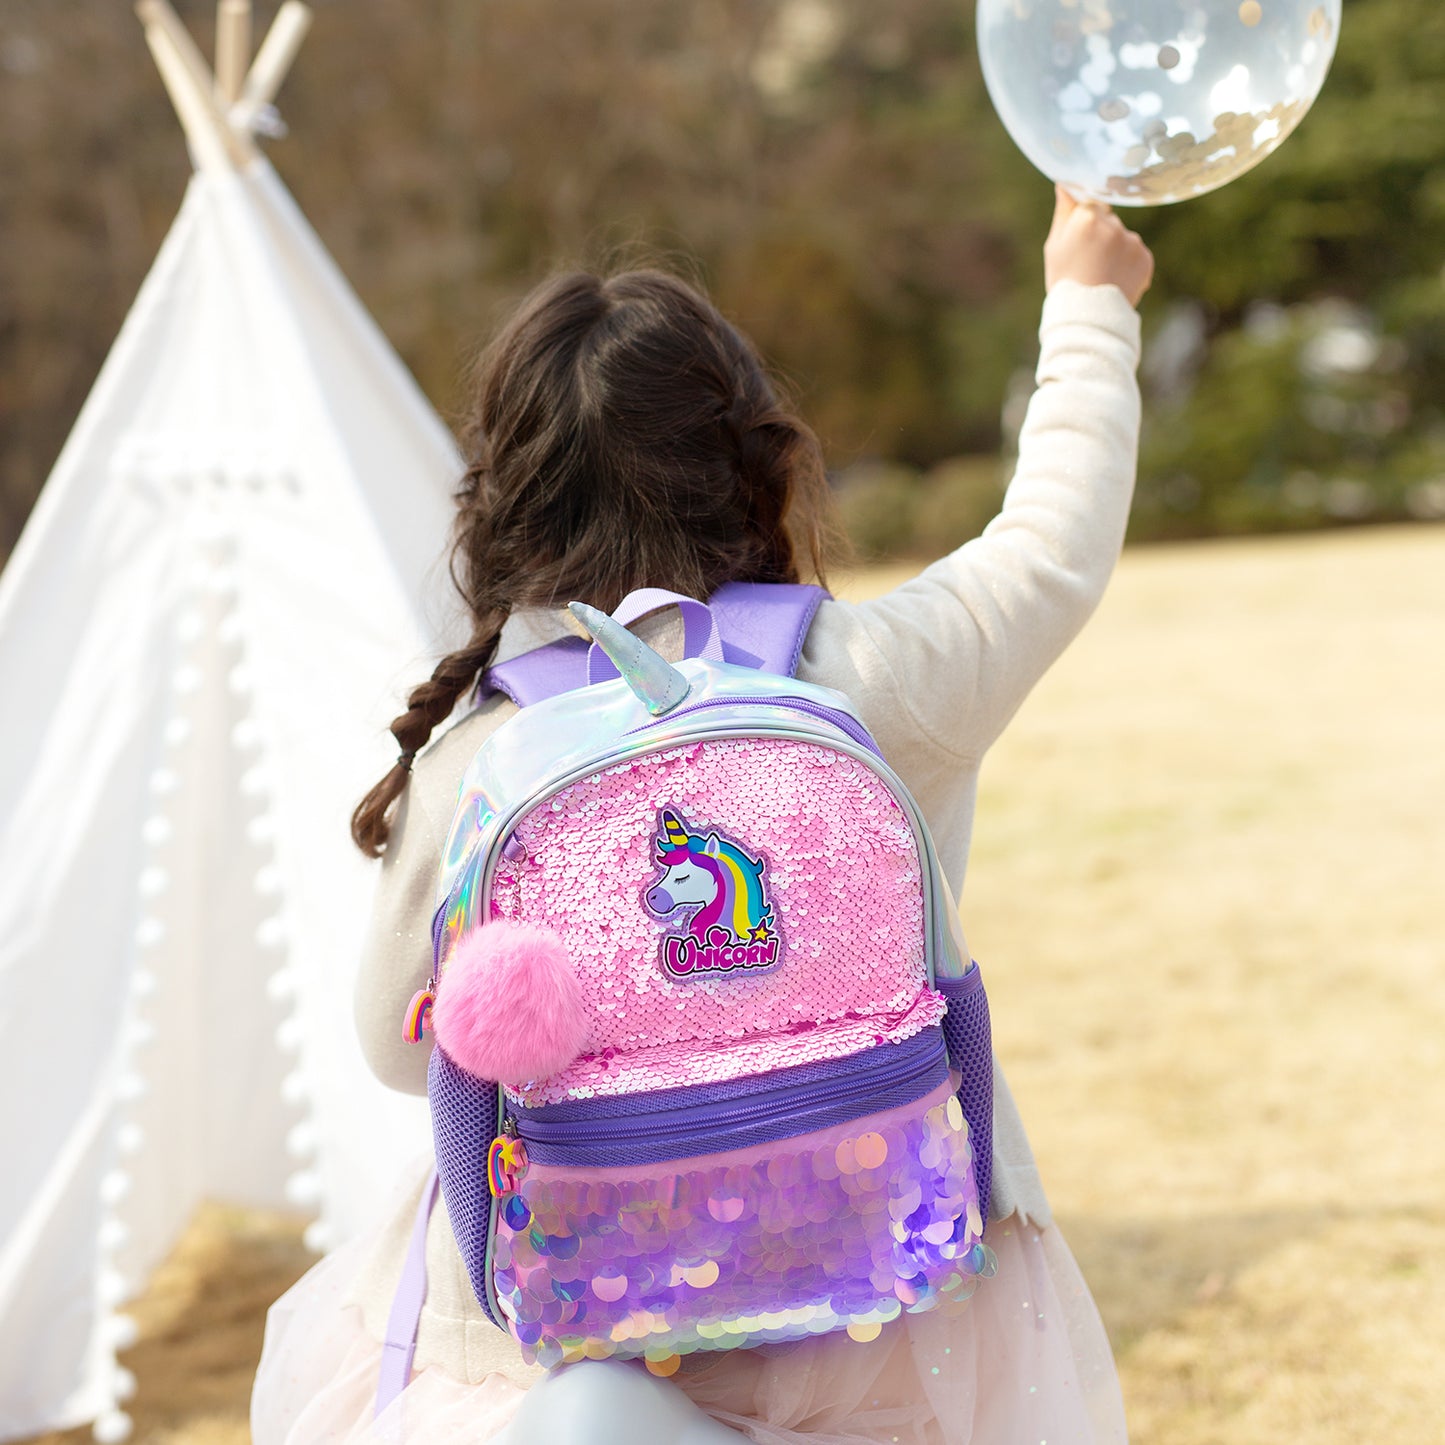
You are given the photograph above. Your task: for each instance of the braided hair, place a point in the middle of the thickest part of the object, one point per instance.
(623, 435)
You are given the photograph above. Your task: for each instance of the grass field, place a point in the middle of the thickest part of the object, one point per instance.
(1207, 888)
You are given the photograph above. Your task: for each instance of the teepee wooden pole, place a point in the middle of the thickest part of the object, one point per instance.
(233, 48)
(215, 143)
(157, 15)
(274, 58)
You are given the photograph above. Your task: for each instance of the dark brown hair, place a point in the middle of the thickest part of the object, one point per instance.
(623, 435)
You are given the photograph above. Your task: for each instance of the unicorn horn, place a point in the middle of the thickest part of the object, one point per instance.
(673, 829)
(658, 684)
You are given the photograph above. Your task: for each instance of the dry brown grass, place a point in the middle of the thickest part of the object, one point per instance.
(1207, 889)
(201, 1323)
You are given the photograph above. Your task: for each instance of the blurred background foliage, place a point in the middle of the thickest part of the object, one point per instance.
(832, 170)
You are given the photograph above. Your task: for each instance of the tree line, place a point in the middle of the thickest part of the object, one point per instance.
(833, 172)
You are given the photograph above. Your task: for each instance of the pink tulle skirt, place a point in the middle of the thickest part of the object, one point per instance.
(1026, 1359)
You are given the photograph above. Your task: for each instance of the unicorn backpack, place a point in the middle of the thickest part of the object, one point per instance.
(697, 992)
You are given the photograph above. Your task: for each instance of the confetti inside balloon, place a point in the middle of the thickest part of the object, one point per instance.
(1142, 102)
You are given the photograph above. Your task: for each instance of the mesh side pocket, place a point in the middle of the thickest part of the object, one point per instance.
(969, 1036)
(465, 1120)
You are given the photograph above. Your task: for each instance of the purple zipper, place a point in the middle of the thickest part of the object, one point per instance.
(680, 1123)
(839, 719)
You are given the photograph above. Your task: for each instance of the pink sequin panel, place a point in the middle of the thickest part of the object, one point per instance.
(842, 875)
(844, 1228)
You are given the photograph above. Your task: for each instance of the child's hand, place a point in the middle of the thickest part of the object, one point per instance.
(1088, 243)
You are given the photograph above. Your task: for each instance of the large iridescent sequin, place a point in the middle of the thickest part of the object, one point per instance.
(847, 892)
(845, 1228)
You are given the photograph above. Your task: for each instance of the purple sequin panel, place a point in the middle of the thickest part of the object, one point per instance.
(844, 1228)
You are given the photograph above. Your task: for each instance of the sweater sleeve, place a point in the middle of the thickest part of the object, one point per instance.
(396, 959)
(952, 653)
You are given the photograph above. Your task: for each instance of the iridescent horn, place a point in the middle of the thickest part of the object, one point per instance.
(658, 684)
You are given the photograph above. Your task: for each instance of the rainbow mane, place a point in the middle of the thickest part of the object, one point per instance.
(740, 905)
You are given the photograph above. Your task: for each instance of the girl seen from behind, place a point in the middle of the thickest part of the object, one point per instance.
(625, 436)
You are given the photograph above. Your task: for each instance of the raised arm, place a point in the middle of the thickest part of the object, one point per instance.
(958, 648)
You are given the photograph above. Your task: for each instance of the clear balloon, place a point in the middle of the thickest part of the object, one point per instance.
(1142, 102)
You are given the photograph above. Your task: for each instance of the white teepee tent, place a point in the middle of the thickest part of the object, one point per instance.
(202, 634)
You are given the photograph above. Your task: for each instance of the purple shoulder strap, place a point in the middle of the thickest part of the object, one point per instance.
(399, 1348)
(763, 625)
(544, 672)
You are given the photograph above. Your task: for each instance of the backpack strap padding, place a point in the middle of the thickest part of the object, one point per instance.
(542, 673)
(762, 624)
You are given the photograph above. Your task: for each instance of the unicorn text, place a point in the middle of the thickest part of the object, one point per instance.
(683, 955)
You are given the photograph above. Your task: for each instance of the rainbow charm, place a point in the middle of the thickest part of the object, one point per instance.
(506, 1164)
(417, 1021)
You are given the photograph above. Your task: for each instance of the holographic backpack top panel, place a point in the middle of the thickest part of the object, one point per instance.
(711, 1068)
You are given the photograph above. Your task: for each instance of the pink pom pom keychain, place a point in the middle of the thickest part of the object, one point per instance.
(509, 1007)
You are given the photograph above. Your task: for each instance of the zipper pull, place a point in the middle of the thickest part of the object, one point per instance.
(416, 1022)
(506, 1161)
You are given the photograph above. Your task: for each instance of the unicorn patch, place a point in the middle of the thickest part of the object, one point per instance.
(718, 889)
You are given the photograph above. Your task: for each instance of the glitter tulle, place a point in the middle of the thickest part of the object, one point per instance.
(846, 1227)
(1025, 1359)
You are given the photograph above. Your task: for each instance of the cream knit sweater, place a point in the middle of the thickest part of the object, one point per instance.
(936, 668)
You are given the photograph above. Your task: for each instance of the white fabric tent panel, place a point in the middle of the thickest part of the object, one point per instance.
(209, 620)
